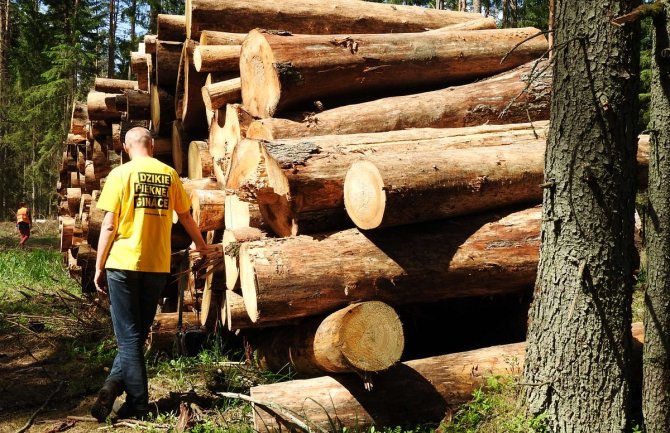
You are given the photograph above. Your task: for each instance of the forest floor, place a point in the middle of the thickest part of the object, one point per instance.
(56, 346)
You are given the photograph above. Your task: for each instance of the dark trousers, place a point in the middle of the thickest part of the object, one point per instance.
(24, 232)
(133, 297)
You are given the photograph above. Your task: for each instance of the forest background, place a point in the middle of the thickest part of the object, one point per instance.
(51, 51)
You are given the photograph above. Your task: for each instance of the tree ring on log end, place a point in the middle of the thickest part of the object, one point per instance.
(261, 87)
(364, 195)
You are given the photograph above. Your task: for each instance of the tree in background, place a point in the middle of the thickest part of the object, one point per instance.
(577, 368)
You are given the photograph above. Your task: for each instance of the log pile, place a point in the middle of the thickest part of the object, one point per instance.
(345, 160)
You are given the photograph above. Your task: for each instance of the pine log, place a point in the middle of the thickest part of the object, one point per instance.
(139, 64)
(478, 24)
(279, 71)
(168, 55)
(79, 119)
(85, 204)
(193, 115)
(81, 162)
(101, 162)
(213, 78)
(104, 106)
(218, 95)
(111, 85)
(511, 97)
(95, 218)
(74, 200)
(413, 392)
(86, 259)
(92, 180)
(162, 146)
(191, 185)
(150, 44)
(299, 183)
(237, 317)
(180, 145)
(210, 307)
(171, 27)
(208, 209)
(117, 138)
(473, 256)
(209, 37)
(164, 329)
(162, 109)
(217, 58)
(99, 129)
(232, 240)
(366, 337)
(241, 214)
(314, 17)
(75, 180)
(138, 105)
(200, 162)
(63, 208)
(223, 140)
(66, 230)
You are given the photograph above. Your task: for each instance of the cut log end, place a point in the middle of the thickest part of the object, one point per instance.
(232, 239)
(248, 284)
(364, 195)
(260, 77)
(371, 336)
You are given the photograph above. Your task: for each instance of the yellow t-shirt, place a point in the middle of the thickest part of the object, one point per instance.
(143, 193)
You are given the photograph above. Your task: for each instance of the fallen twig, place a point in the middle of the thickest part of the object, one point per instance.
(31, 420)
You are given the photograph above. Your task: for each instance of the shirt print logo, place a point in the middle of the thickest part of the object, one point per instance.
(151, 191)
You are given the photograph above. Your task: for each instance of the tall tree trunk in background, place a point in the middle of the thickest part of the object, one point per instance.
(111, 48)
(505, 13)
(4, 81)
(477, 6)
(132, 18)
(579, 338)
(656, 355)
(154, 10)
(439, 4)
(550, 26)
(462, 5)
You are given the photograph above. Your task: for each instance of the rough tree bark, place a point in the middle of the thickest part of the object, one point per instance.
(656, 354)
(579, 339)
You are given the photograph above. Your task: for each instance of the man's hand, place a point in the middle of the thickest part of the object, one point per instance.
(100, 281)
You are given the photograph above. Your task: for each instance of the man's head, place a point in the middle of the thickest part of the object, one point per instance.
(138, 142)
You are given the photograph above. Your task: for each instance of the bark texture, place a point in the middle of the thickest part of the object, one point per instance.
(656, 358)
(579, 340)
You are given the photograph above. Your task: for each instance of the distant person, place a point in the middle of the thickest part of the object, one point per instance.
(133, 263)
(23, 223)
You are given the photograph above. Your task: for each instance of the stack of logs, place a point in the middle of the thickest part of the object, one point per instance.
(345, 158)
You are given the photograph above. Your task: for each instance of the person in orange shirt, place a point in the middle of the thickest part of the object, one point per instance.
(133, 263)
(23, 223)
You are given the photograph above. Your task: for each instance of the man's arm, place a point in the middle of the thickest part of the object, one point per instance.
(107, 235)
(192, 229)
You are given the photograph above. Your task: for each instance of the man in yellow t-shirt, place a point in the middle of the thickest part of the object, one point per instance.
(133, 264)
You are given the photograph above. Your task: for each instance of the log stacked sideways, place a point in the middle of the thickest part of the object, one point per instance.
(343, 159)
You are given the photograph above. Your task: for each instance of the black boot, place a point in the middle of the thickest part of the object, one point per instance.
(105, 401)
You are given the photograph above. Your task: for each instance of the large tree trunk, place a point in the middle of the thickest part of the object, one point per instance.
(217, 58)
(171, 28)
(314, 17)
(299, 183)
(168, 56)
(414, 392)
(656, 361)
(189, 89)
(511, 97)
(474, 256)
(366, 337)
(581, 310)
(111, 39)
(104, 106)
(279, 71)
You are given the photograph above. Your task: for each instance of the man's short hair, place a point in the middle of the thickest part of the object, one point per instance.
(137, 135)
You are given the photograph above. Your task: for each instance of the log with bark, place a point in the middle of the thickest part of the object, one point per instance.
(168, 55)
(478, 24)
(511, 97)
(139, 64)
(162, 109)
(473, 256)
(189, 88)
(164, 329)
(162, 146)
(210, 305)
(279, 71)
(95, 218)
(66, 224)
(413, 392)
(218, 95)
(299, 183)
(92, 179)
(171, 27)
(74, 199)
(105, 106)
(79, 119)
(209, 37)
(112, 85)
(208, 209)
(191, 185)
(224, 137)
(99, 130)
(314, 17)
(217, 58)
(150, 44)
(362, 337)
(180, 144)
(138, 105)
(241, 214)
(76, 180)
(86, 260)
(232, 240)
(200, 162)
